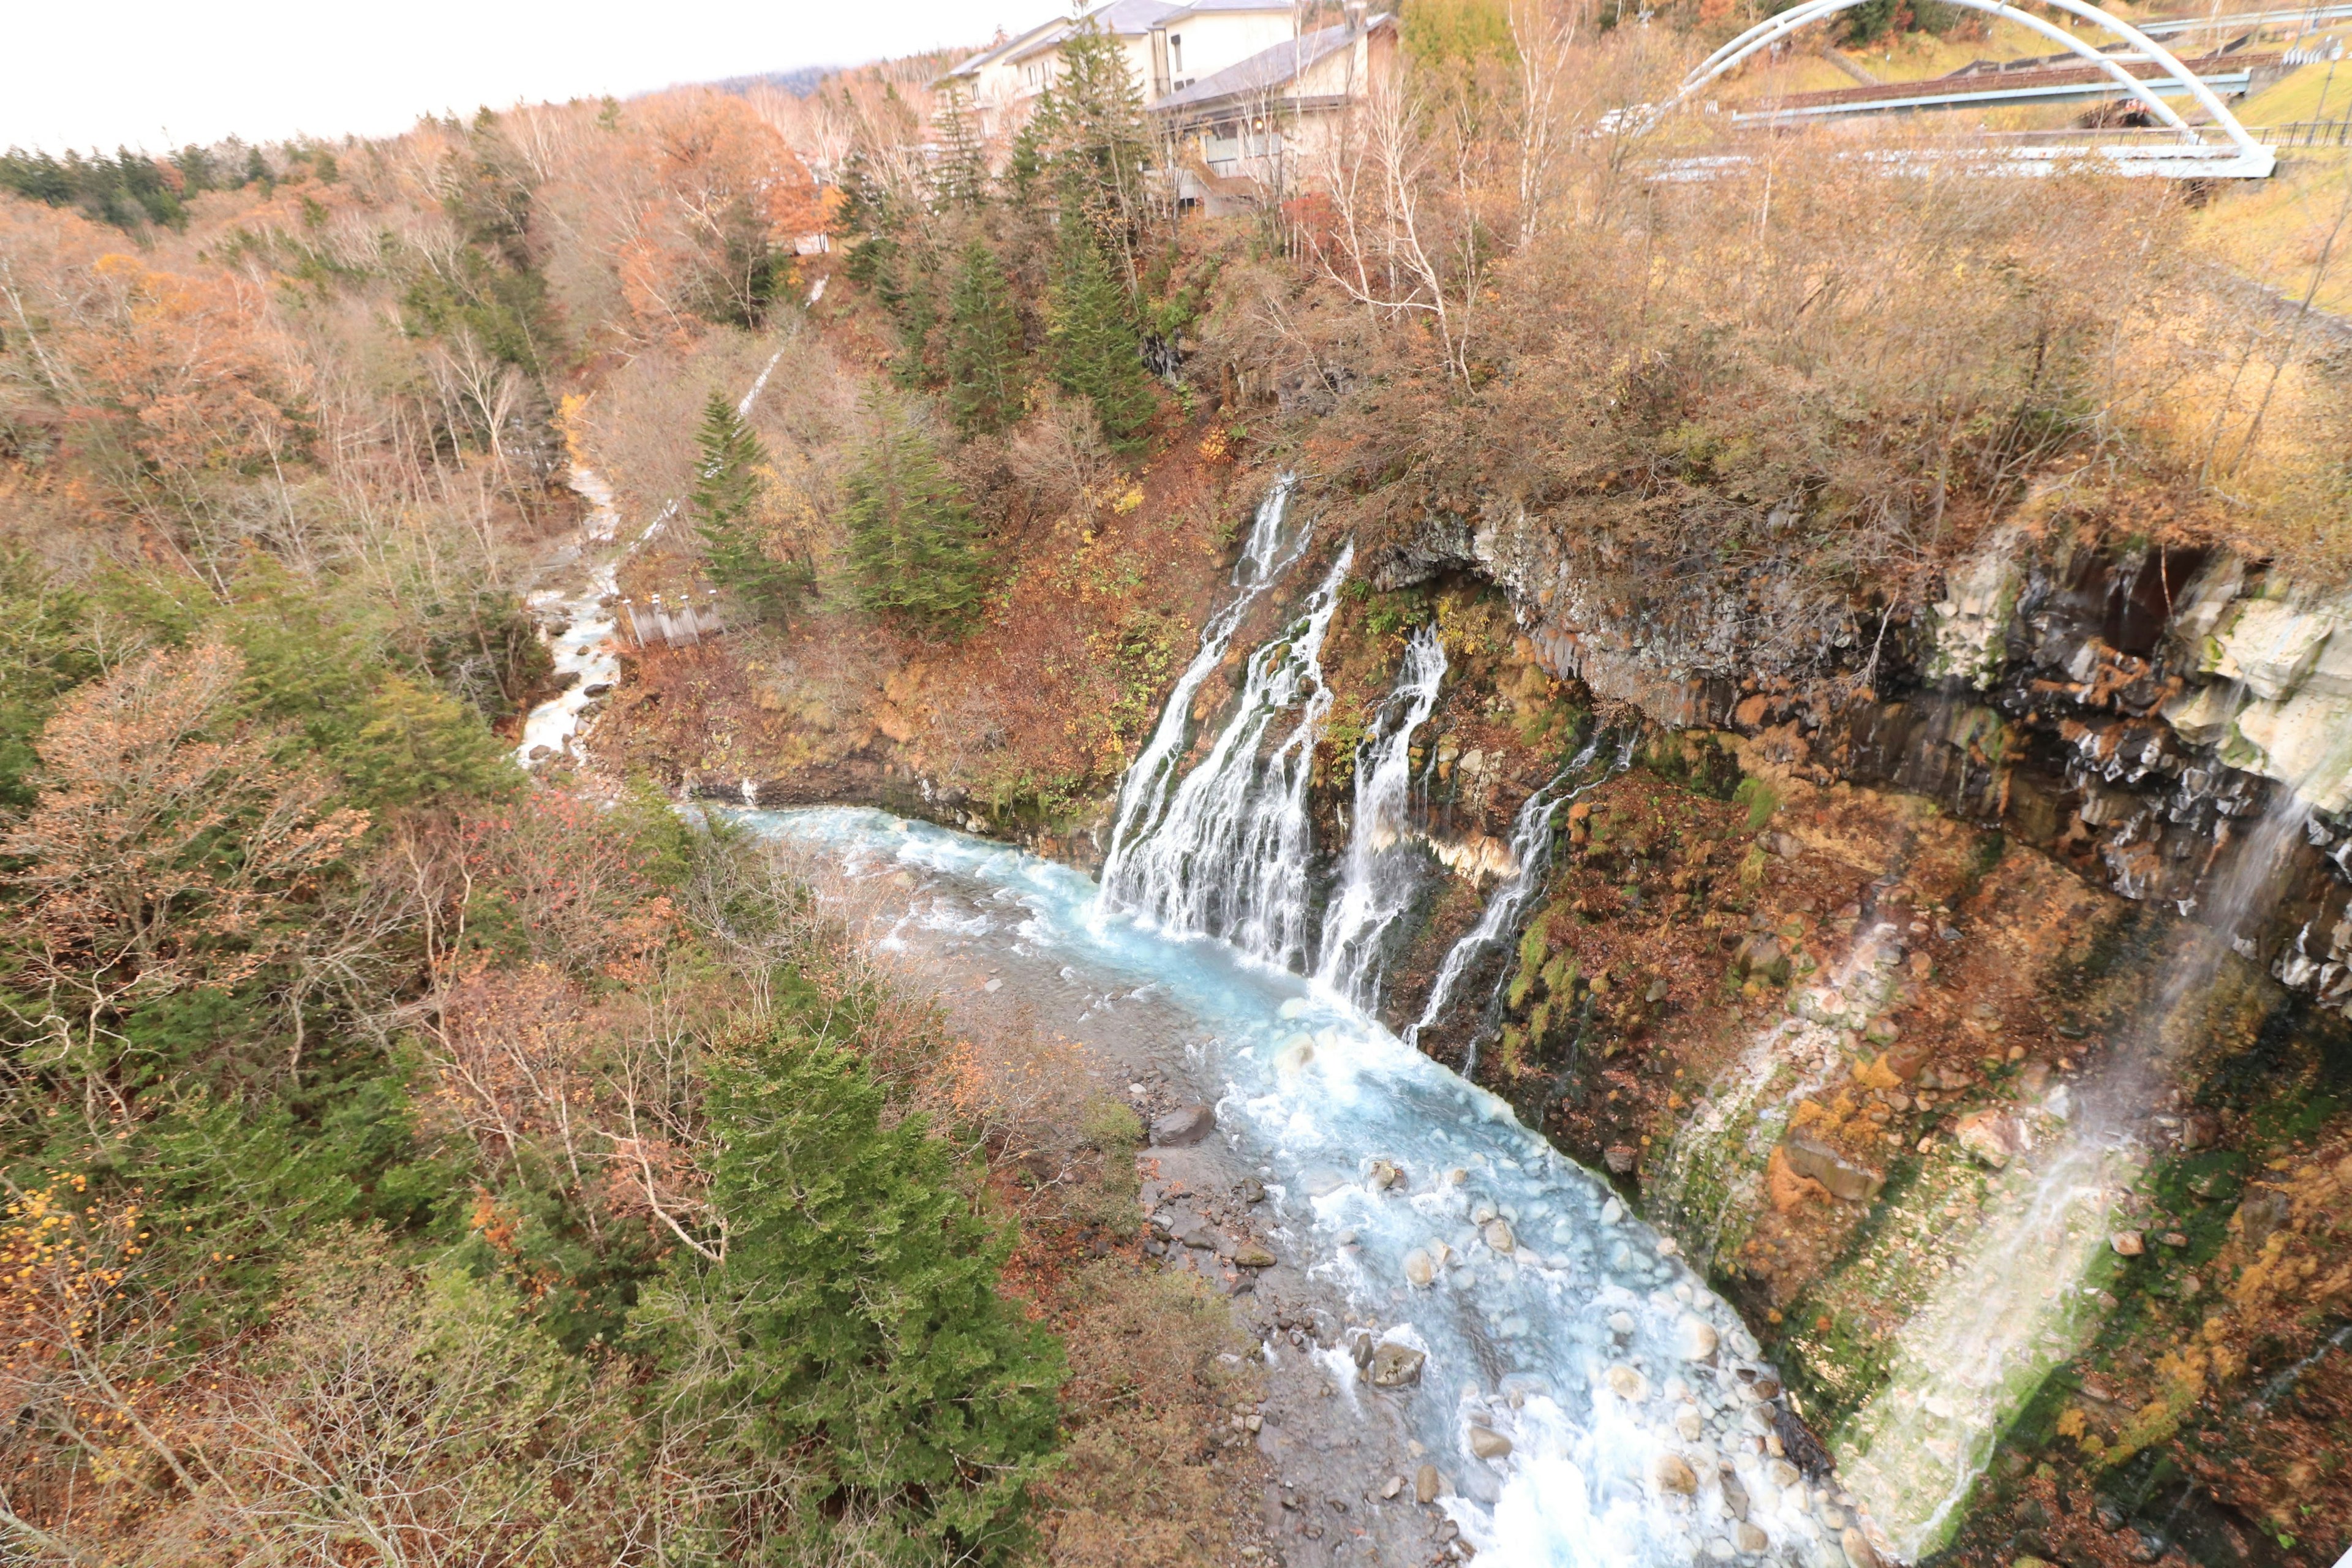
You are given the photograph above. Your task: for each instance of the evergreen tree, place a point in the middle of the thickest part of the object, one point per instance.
(1095, 350)
(960, 179)
(914, 548)
(853, 1325)
(984, 346)
(1089, 135)
(725, 504)
(916, 304)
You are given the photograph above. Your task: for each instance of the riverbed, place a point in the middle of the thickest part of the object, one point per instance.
(1582, 1397)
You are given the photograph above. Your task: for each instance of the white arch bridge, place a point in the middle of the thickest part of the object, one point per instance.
(2221, 149)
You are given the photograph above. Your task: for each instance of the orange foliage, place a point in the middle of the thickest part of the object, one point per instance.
(723, 187)
(180, 366)
(163, 853)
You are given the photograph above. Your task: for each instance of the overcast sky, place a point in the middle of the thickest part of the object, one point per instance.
(147, 74)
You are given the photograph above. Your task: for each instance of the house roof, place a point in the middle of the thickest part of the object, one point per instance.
(1128, 18)
(1003, 46)
(1268, 69)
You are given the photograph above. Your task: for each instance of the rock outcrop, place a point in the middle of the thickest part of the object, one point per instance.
(2135, 714)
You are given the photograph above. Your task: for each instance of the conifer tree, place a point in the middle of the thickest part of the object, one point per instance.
(1096, 353)
(914, 547)
(960, 179)
(1088, 134)
(984, 347)
(854, 1332)
(725, 502)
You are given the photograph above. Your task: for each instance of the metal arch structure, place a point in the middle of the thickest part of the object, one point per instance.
(2238, 157)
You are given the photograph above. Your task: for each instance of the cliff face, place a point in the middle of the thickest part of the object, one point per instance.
(1860, 927)
(2130, 713)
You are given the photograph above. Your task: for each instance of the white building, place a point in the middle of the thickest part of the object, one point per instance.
(1259, 127)
(1169, 46)
(1245, 98)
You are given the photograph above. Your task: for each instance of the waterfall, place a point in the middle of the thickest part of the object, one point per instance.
(1376, 885)
(2021, 1303)
(1228, 855)
(1631, 1401)
(1531, 836)
(1143, 793)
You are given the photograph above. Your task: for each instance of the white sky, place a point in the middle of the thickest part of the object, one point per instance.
(137, 71)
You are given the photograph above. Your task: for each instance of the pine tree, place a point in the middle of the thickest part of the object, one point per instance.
(725, 502)
(1089, 133)
(853, 1333)
(914, 548)
(960, 179)
(1096, 353)
(984, 346)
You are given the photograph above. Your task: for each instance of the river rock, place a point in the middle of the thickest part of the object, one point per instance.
(1674, 1474)
(1809, 1156)
(1395, 1365)
(1988, 1135)
(1699, 1339)
(1621, 1324)
(1489, 1444)
(1736, 1498)
(1498, 1235)
(1426, 1484)
(1857, 1547)
(1749, 1539)
(1183, 1126)
(1627, 1384)
(2127, 1243)
(1251, 1255)
(1385, 1175)
(1420, 1268)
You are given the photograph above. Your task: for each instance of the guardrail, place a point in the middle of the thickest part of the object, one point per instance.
(2305, 133)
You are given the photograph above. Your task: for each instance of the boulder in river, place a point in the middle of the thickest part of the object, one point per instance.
(1489, 1444)
(1183, 1126)
(1426, 1484)
(1251, 1255)
(1674, 1474)
(1395, 1365)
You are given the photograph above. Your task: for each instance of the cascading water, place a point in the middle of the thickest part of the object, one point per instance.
(1143, 793)
(1531, 841)
(1228, 857)
(1590, 1403)
(2023, 1302)
(1377, 881)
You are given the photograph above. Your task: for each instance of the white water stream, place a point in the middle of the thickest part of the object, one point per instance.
(1378, 878)
(587, 651)
(1229, 858)
(1143, 792)
(1549, 1317)
(2022, 1300)
(1531, 851)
